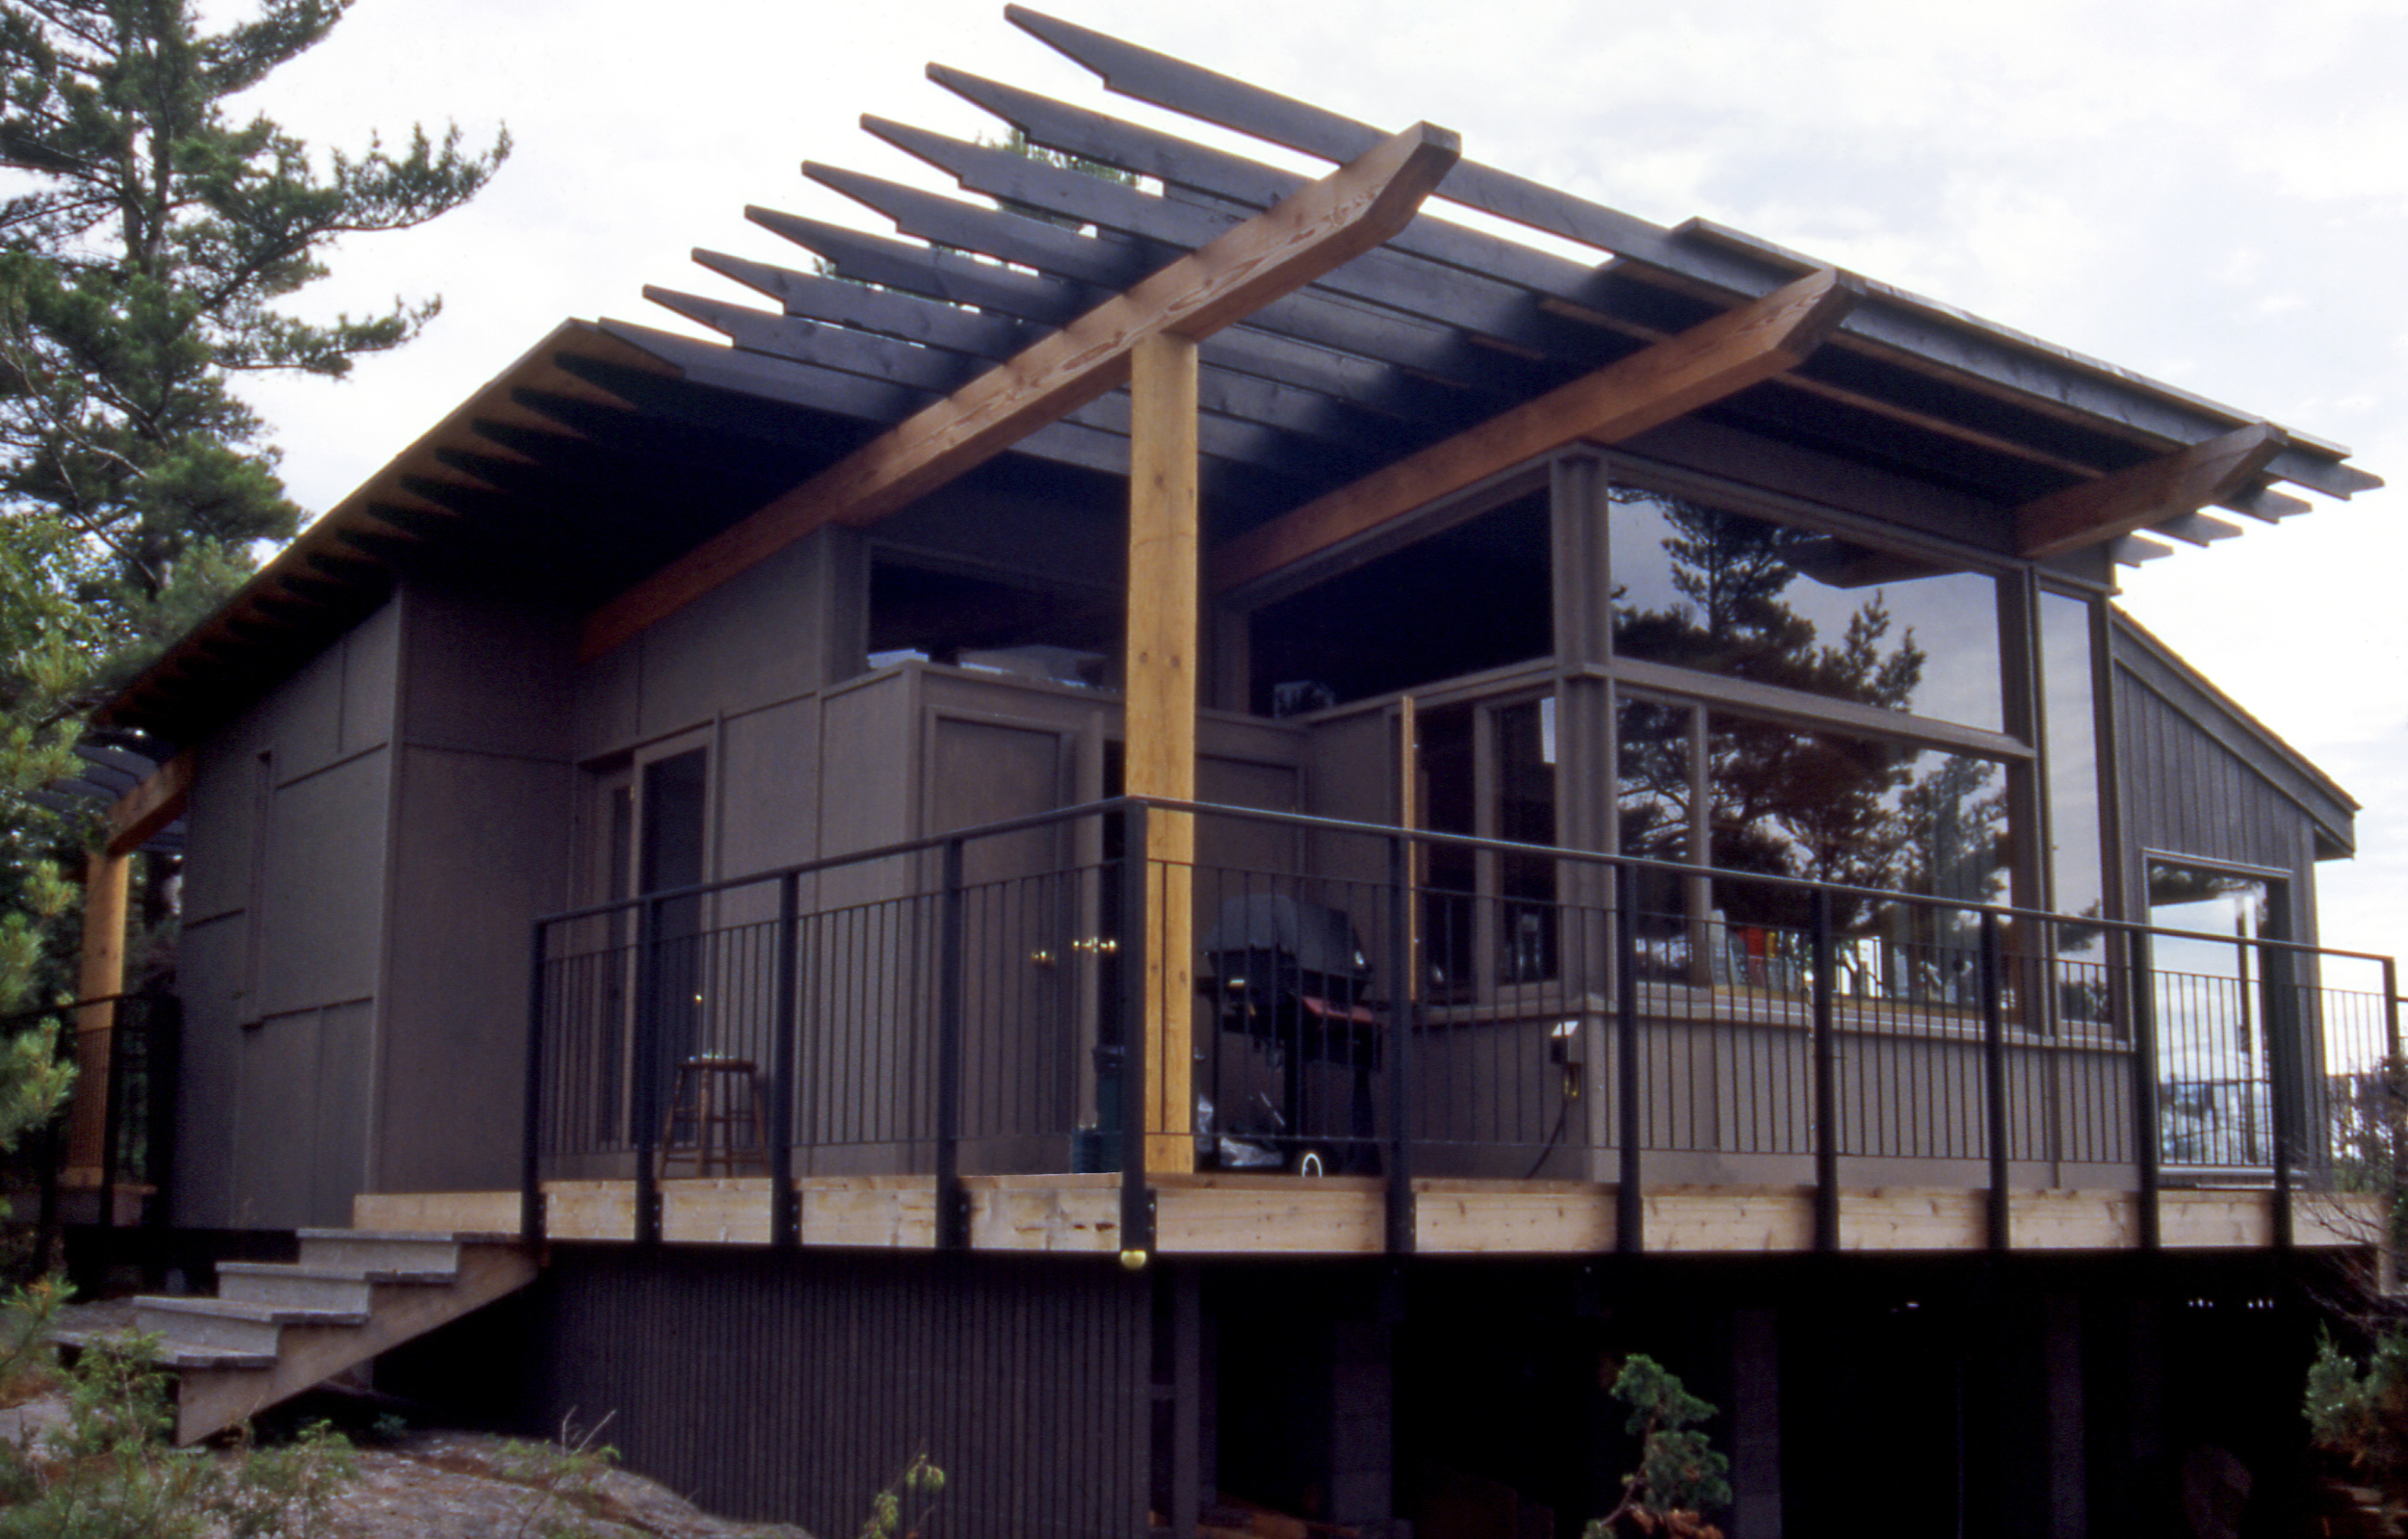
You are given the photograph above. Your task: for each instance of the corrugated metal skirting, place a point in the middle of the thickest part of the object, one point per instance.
(793, 1386)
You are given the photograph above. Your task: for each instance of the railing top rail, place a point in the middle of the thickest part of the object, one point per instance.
(39, 1011)
(1341, 825)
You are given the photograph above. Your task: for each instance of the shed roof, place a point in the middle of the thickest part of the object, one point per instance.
(610, 448)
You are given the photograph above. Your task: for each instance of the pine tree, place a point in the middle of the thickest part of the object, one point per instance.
(151, 230)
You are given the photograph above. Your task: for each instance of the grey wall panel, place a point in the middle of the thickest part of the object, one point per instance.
(323, 888)
(482, 850)
(371, 678)
(603, 709)
(769, 794)
(866, 762)
(211, 959)
(302, 721)
(338, 1138)
(275, 1124)
(221, 827)
(487, 675)
(741, 647)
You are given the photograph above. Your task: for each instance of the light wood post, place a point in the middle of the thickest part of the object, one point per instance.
(102, 976)
(1161, 722)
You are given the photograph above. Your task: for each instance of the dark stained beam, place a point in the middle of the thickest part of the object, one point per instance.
(1307, 236)
(2170, 486)
(1669, 379)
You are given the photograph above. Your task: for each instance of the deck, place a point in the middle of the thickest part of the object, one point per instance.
(1340, 1216)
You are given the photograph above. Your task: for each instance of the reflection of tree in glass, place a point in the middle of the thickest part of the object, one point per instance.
(1784, 800)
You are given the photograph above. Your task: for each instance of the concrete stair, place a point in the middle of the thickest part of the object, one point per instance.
(276, 1330)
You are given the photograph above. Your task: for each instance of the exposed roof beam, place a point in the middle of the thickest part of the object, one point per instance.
(1321, 227)
(1704, 364)
(151, 806)
(1931, 336)
(2155, 491)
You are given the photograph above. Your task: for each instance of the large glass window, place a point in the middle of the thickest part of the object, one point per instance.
(1746, 795)
(2212, 998)
(2069, 682)
(1488, 917)
(1704, 587)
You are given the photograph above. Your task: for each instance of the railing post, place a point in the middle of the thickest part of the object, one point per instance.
(952, 1215)
(2145, 1131)
(113, 1115)
(785, 1072)
(2278, 1006)
(1826, 1085)
(1630, 1206)
(530, 1152)
(1994, 1079)
(2395, 1081)
(1137, 1203)
(1401, 1022)
(651, 1108)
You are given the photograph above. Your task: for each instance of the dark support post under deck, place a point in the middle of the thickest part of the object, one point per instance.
(1137, 1203)
(2146, 1088)
(530, 1153)
(1994, 1079)
(785, 1202)
(2394, 1077)
(651, 1105)
(952, 1213)
(1826, 1085)
(1400, 1045)
(1629, 1206)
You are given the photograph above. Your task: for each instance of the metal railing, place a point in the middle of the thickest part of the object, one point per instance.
(1375, 1000)
(128, 1139)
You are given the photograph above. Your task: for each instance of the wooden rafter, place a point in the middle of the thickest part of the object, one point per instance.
(1334, 220)
(1704, 364)
(2152, 492)
(151, 806)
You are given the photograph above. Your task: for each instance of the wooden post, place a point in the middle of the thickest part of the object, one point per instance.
(102, 977)
(1161, 720)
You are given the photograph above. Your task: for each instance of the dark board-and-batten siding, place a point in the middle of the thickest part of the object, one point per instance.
(793, 1387)
(2199, 778)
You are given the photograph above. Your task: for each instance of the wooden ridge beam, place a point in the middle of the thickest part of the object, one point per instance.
(1702, 365)
(151, 806)
(2155, 491)
(1333, 221)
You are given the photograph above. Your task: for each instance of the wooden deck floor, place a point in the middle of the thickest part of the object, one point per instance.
(1227, 1215)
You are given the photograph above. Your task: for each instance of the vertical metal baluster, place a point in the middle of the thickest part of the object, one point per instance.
(952, 1215)
(1994, 1061)
(1401, 1216)
(785, 1070)
(1136, 1215)
(1629, 1204)
(1826, 1085)
(650, 1108)
(2146, 1088)
(531, 1151)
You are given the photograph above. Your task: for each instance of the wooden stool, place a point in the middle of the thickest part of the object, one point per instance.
(720, 1100)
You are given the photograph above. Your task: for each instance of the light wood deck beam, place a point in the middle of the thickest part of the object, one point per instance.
(1323, 225)
(1709, 361)
(2152, 492)
(151, 806)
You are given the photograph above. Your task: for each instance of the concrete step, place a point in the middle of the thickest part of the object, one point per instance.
(182, 1356)
(244, 1282)
(385, 1257)
(239, 1327)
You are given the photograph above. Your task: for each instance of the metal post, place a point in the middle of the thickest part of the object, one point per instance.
(113, 1115)
(650, 1111)
(2279, 1007)
(1629, 1206)
(2395, 1080)
(952, 1215)
(1826, 1085)
(1137, 1203)
(1994, 1078)
(2145, 1132)
(1401, 1023)
(786, 1072)
(531, 1154)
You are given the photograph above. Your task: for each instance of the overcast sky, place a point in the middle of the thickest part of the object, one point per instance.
(2193, 190)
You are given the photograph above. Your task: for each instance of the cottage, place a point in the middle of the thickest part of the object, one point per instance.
(1193, 831)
